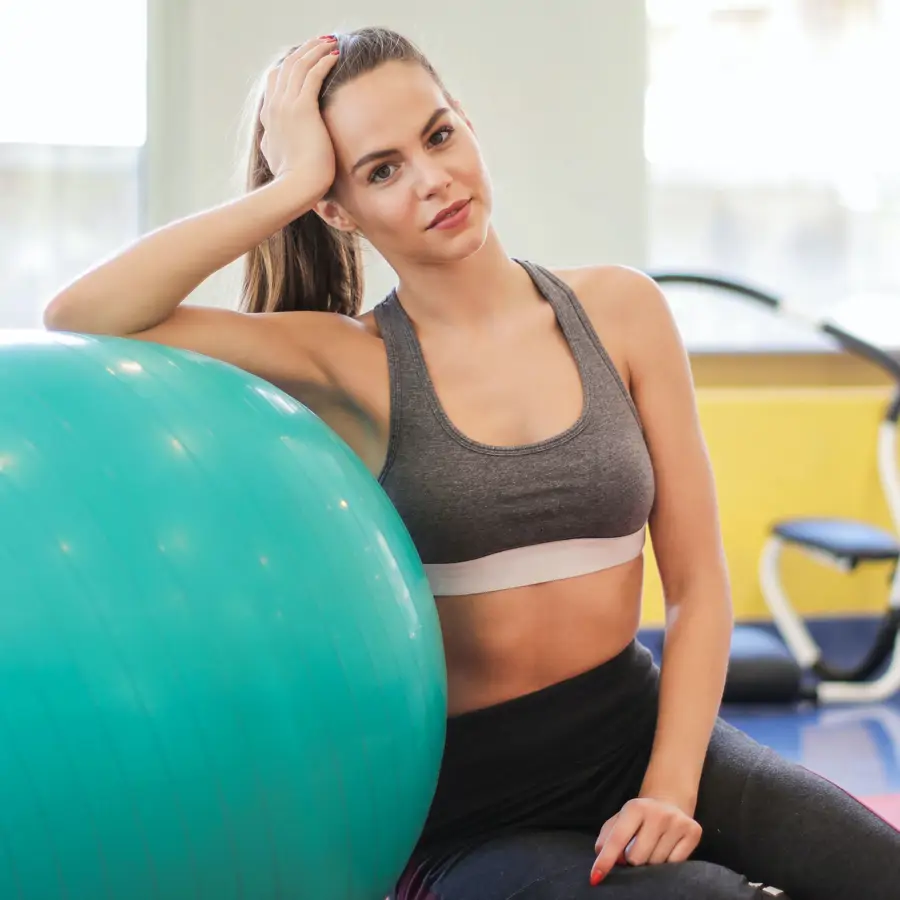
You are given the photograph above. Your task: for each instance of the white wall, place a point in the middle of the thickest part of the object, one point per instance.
(554, 89)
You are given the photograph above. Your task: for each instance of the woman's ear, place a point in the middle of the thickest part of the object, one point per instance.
(333, 214)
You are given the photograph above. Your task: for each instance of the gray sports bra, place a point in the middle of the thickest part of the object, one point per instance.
(487, 518)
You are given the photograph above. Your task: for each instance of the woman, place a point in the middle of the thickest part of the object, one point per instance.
(529, 425)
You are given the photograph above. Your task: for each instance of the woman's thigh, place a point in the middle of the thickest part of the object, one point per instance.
(556, 865)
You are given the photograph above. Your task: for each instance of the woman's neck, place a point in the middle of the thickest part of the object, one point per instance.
(472, 291)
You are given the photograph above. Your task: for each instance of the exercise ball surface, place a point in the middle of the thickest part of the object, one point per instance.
(222, 671)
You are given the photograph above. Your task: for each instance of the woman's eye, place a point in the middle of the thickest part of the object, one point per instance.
(381, 173)
(444, 135)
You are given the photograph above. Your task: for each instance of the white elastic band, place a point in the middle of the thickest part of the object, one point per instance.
(536, 564)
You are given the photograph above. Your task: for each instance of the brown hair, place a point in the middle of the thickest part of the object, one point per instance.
(308, 264)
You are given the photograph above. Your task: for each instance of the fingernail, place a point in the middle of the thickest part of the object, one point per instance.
(335, 52)
(327, 37)
(596, 877)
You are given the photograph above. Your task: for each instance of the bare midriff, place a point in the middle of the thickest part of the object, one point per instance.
(504, 644)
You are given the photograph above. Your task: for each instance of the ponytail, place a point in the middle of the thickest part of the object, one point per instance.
(307, 265)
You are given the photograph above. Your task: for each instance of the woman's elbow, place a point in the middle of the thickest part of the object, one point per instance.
(57, 315)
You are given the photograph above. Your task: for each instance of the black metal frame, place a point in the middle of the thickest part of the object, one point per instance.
(850, 342)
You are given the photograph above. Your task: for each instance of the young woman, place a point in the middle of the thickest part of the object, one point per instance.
(530, 425)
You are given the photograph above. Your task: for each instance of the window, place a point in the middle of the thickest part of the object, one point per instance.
(74, 99)
(774, 156)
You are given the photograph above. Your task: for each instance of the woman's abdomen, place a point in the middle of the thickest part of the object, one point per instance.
(505, 644)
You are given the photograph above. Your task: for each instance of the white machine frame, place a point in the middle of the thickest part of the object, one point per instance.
(792, 627)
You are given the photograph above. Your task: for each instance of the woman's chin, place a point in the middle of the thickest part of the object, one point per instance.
(461, 243)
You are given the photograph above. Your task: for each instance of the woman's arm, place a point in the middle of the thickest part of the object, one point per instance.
(687, 545)
(139, 293)
(142, 286)
(658, 826)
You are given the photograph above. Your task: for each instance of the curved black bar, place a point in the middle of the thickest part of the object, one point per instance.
(874, 659)
(853, 344)
(893, 411)
(717, 281)
(849, 342)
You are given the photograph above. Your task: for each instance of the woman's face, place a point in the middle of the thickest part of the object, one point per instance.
(406, 158)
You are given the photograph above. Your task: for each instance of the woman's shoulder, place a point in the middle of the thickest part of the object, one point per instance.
(611, 287)
(367, 323)
(618, 296)
(334, 325)
(624, 306)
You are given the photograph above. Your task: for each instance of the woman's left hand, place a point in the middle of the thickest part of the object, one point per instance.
(645, 832)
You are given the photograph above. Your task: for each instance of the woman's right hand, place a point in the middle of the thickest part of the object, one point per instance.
(295, 141)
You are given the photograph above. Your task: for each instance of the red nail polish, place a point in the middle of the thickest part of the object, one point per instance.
(596, 877)
(327, 37)
(335, 52)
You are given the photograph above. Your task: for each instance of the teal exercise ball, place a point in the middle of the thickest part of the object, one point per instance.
(221, 669)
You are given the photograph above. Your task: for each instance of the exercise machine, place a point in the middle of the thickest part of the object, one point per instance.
(760, 669)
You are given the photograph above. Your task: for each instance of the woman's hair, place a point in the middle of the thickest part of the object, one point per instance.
(309, 265)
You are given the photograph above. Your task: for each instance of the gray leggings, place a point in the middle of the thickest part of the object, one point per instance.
(531, 833)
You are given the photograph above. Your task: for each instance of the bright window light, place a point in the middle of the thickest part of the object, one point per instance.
(73, 72)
